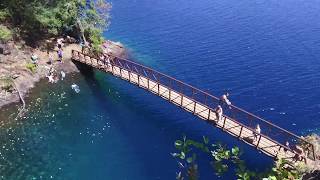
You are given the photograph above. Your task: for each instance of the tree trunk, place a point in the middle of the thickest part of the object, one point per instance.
(82, 31)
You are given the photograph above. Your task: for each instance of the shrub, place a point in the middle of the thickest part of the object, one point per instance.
(96, 39)
(4, 14)
(32, 67)
(5, 33)
(6, 84)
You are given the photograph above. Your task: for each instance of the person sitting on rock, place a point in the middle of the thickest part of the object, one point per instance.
(34, 58)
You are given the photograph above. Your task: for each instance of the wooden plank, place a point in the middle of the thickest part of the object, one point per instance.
(134, 78)
(143, 82)
(188, 104)
(125, 74)
(175, 98)
(153, 86)
(164, 92)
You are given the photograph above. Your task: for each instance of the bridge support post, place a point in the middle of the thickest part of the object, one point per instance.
(258, 141)
(240, 132)
(224, 123)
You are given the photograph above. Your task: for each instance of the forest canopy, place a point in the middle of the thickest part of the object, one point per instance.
(37, 19)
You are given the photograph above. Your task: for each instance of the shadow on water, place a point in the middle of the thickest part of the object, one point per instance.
(89, 76)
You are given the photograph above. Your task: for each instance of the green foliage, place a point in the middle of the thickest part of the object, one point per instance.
(46, 18)
(221, 158)
(32, 67)
(5, 34)
(282, 171)
(96, 39)
(6, 84)
(4, 14)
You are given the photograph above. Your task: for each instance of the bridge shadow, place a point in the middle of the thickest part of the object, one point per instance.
(88, 73)
(85, 70)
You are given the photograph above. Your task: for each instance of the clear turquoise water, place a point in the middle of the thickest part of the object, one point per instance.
(264, 53)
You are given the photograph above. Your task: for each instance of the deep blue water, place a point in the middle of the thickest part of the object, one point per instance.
(265, 53)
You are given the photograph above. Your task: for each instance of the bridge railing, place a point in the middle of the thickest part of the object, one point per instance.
(244, 118)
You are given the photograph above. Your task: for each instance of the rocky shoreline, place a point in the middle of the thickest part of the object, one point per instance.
(18, 76)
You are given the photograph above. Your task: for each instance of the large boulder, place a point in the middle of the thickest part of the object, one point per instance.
(4, 49)
(312, 176)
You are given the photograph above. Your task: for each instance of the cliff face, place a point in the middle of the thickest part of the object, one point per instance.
(18, 73)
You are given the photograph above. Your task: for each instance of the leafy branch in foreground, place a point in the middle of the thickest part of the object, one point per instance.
(221, 158)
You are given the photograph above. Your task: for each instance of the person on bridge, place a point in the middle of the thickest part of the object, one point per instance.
(287, 147)
(218, 112)
(257, 132)
(299, 154)
(224, 100)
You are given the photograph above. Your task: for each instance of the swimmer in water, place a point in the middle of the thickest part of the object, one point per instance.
(75, 88)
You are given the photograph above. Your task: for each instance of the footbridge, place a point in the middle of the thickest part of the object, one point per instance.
(235, 122)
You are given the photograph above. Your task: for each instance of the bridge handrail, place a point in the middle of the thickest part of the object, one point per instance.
(235, 110)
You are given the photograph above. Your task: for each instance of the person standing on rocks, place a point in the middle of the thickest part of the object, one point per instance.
(60, 55)
(50, 58)
(60, 43)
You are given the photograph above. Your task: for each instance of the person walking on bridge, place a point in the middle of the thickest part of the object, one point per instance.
(256, 132)
(218, 112)
(224, 100)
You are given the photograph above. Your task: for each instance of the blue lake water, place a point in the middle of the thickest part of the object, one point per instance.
(264, 53)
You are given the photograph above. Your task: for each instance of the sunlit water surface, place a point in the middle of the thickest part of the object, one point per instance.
(265, 53)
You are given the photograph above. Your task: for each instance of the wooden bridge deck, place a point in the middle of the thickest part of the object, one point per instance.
(141, 78)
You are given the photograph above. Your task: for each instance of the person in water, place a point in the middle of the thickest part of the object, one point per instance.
(75, 88)
(63, 75)
(218, 112)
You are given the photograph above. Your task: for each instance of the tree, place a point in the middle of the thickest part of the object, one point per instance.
(221, 158)
(50, 18)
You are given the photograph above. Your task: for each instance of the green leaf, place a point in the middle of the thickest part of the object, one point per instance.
(272, 178)
(178, 143)
(189, 159)
(175, 154)
(235, 151)
(205, 140)
(227, 154)
(182, 155)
